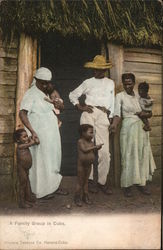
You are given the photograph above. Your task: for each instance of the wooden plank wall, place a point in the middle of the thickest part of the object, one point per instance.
(146, 64)
(8, 78)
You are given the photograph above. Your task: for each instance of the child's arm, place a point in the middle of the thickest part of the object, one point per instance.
(82, 147)
(48, 100)
(99, 146)
(149, 104)
(27, 145)
(59, 102)
(144, 114)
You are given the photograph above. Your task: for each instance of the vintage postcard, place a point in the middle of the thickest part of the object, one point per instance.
(80, 124)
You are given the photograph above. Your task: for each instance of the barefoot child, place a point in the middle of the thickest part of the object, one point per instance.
(86, 157)
(24, 163)
(145, 102)
(55, 99)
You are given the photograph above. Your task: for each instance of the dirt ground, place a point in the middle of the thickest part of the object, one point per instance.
(115, 203)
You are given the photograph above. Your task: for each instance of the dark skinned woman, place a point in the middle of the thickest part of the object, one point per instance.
(136, 155)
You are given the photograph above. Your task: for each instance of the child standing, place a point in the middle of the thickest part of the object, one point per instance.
(86, 157)
(24, 163)
(146, 103)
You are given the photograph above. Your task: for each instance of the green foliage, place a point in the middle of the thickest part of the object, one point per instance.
(131, 22)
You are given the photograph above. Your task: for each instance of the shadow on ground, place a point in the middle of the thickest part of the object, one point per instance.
(102, 204)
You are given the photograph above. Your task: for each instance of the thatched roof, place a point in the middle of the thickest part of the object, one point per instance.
(132, 22)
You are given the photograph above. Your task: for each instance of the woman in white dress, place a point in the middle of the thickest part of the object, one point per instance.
(41, 123)
(136, 156)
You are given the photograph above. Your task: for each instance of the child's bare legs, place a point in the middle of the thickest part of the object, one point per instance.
(80, 184)
(85, 194)
(22, 188)
(28, 192)
(146, 124)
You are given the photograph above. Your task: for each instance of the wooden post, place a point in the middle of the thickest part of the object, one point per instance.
(116, 57)
(27, 61)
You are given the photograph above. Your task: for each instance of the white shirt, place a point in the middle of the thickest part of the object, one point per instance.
(98, 92)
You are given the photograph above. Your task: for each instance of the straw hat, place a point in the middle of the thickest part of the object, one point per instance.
(99, 62)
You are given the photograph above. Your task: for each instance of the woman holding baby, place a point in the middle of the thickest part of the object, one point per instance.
(37, 115)
(136, 156)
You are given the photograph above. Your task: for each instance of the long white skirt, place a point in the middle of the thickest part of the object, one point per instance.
(46, 157)
(136, 155)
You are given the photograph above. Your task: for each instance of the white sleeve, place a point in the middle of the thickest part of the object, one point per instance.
(118, 105)
(75, 94)
(112, 102)
(27, 101)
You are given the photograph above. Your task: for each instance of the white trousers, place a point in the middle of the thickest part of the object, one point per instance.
(98, 119)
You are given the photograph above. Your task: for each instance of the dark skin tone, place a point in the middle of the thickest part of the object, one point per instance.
(128, 86)
(44, 87)
(86, 156)
(24, 162)
(55, 99)
(144, 94)
(54, 95)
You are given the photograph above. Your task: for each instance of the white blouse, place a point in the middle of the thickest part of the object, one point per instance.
(126, 105)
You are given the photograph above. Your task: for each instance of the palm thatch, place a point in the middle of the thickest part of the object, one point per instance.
(130, 22)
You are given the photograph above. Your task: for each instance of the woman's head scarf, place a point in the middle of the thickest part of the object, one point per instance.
(42, 74)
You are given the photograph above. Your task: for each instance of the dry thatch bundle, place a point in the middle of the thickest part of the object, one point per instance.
(130, 22)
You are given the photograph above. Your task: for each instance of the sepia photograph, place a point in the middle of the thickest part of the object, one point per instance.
(81, 121)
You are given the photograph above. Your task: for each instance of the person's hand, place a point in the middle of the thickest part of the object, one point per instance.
(141, 114)
(112, 128)
(110, 120)
(99, 146)
(57, 103)
(138, 114)
(31, 140)
(35, 138)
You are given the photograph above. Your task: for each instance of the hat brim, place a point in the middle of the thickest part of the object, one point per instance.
(92, 65)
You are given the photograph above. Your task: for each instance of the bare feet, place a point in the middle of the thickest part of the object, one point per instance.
(25, 205)
(78, 200)
(92, 186)
(60, 191)
(127, 192)
(86, 199)
(143, 190)
(105, 189)
(31, 199)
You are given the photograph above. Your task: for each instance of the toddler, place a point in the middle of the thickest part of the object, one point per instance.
(54, 100)
(24, 163)
(86, 157)
(146, 103)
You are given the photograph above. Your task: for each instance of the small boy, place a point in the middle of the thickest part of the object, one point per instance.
(55, 99)
(86, 157)
(24, 163)
(145, 102)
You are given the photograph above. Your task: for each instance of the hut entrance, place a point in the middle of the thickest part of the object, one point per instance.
(65, 57)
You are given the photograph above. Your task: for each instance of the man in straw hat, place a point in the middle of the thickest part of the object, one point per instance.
(99, 106)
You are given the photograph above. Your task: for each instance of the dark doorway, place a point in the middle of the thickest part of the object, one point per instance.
(65, 57)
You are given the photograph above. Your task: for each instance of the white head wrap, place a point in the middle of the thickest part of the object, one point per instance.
(42, 74)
